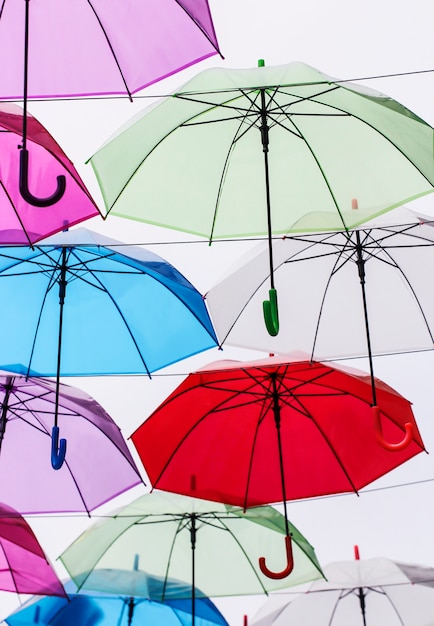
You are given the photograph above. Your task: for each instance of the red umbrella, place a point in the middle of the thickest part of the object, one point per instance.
(23, 565)
(275, 430)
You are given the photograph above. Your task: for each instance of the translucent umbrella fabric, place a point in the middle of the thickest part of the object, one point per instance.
(123, 46)
(320, 296)
(126, 310)
(22, 222)
(98, 464)
(229, 542)
(365, 592)
(91, 609)
(24, 568)
(327, 142)
(277, 429)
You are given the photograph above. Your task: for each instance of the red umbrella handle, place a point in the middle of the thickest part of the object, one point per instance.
(289, 563)
(400, 445)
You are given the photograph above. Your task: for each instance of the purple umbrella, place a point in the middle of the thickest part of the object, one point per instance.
(23, 565)
(98, 466)
(21, 222)
(52, 49)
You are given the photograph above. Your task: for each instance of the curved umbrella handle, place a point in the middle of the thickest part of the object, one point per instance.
(271, 313)
(289, 563)
(58, 449)
(24, 185)
(400, 445)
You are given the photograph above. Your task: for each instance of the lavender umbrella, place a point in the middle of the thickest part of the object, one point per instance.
(56, 49)
(23, 565)
(98, 466)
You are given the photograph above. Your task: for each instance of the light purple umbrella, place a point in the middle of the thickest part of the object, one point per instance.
(24, 567)
(98, 465)
(21, 221)
(52, 49)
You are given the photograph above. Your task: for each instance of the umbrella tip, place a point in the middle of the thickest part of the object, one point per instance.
(356, 553)
(245, 620)
(261, 63)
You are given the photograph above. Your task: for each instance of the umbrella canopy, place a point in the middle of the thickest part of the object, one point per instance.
(98, 465)
(90, 609)
(126, 310)
(287, 148)
(123, 47)
(368, 592)
(23, 565)
(319, 277)
(274, 430)
(22, 222)
(215, 544)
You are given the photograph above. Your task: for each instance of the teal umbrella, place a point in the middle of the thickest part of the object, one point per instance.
(251, 152)
(216, 545)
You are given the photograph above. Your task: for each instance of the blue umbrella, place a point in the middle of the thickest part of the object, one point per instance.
(81, 304)
(99, 609)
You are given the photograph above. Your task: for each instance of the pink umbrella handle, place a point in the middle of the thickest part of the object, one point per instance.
(400, 445)
(58, 449)
(271, 313)
(24, 185)
(289, 563)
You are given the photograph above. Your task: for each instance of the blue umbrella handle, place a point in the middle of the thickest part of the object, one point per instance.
(24, 184)
(400, 445)
(289, 563)
(58, 449)
(271, 313)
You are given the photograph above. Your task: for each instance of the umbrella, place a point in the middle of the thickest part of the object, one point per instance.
(274, 430)
(368, 592)
(24, 567)
(343, 294)
(99, 465)
(21, 222)
(264, 151)
(123, 48)
(89, 609)
(97, 308)
(188, 538)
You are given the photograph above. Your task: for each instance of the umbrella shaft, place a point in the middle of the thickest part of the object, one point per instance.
(26, 63)
(265, 143)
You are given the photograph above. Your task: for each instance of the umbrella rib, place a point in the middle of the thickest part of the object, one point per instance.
(110, 48)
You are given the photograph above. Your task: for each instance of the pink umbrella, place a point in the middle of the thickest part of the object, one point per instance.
(56, 49)
(21, 221)
(23, 565)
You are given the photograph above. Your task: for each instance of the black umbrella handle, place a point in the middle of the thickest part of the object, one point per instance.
(289, 563)
(24, 184)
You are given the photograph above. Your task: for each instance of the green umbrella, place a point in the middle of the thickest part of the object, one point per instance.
(214, 545)
(266, 150)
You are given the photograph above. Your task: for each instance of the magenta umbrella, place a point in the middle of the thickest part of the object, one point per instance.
(24, 567)
(98, 465)
(21, 221)
(52, 49)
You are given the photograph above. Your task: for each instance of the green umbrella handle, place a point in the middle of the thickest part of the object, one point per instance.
(400, 445)
(271, 313)
(289, 563)
(58, 449)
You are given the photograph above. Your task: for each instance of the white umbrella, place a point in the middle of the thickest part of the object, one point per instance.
(369, 592)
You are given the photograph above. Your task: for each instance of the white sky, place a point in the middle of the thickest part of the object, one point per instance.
(345, 40)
